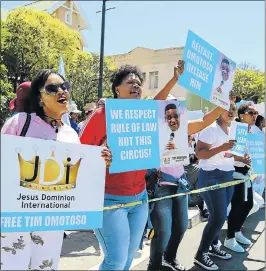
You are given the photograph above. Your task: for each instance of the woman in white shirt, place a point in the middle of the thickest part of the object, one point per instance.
(215, 168)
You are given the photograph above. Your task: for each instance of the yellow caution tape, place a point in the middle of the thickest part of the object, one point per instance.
(204, 189)
(151, 234)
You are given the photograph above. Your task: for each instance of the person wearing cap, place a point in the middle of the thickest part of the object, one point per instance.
(17, 104)
(88, 108)
(87, 113)
(74, 114)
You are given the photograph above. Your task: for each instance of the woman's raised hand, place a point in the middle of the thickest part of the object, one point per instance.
(179, 69)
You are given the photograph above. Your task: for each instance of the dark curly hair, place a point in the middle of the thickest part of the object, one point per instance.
(226, 61)
(241, 110)
(170, 106)
(120, 74)
(32, 105)
(259, 119)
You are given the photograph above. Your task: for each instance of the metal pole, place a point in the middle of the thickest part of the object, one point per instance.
(100, 85)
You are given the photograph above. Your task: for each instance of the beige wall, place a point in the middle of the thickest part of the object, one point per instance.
(75, 21)
(67, 4)
(60, 14)
(150, 60)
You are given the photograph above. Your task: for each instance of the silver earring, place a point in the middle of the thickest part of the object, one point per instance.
(41, 104)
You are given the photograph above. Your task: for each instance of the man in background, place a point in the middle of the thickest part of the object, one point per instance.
(73, 116)
(88, 108)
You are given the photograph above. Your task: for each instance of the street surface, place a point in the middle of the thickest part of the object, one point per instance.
(81, 250)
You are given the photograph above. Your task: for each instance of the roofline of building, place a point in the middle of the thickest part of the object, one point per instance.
(57, 4)
(28, 4)
(154, 50)
(82, 15)
(83, 38)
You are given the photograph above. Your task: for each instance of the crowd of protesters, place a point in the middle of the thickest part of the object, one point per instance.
(43, 103)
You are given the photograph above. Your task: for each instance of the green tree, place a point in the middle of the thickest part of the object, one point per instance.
(33, 40)
(249, 83)
(82, 73)
(6, 95)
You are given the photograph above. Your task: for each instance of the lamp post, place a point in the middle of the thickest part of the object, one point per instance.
(100, 84)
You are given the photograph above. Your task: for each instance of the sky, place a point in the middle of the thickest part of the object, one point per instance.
(236, 28)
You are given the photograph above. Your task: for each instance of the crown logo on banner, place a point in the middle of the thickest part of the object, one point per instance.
(49, 174)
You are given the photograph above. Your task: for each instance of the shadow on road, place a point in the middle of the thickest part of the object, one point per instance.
(237, 263)
(76, 244)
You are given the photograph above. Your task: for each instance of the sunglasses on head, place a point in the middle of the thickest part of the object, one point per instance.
(53, 89)
(252, 113)
(175, 116)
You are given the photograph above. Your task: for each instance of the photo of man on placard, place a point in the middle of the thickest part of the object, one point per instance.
(225, 72)
(223, 81)
(171, 133)
(173, 120)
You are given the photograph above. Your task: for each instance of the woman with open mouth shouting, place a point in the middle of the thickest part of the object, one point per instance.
(46, 103)
(122, 229)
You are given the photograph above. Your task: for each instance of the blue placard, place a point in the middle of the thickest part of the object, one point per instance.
(208, 73)
(141, 135)
(241, 136)
(256, 150)
(133, 134)
(49, 221)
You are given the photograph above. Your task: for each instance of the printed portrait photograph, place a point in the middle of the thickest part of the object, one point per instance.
(173, 141)
(223, 81)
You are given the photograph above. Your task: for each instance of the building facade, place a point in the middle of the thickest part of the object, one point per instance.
(158, 68)
(67, 12)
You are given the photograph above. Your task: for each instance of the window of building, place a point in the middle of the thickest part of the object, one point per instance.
(154, 76)
(144, 75)
(68, 17)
